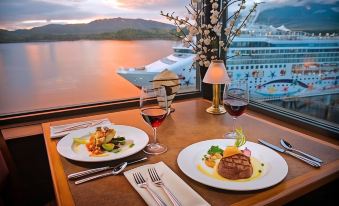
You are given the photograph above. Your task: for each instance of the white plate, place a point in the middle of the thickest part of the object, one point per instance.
(66, 147)
(275, 169)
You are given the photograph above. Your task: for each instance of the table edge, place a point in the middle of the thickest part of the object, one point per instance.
(62, 191)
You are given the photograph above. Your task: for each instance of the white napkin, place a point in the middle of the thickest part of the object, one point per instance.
(184, 193)
(62, 130)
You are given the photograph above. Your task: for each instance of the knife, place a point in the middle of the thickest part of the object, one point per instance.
(308, 161)
(92, 171)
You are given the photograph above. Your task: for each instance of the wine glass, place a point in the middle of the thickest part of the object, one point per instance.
(154, 109)
(235, 100)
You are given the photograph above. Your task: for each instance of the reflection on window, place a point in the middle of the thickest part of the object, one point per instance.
(292, 69)
(47, 70)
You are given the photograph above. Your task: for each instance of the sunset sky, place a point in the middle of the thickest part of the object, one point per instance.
(16, 14)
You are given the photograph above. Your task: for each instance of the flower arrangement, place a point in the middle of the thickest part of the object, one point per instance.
(210, 35)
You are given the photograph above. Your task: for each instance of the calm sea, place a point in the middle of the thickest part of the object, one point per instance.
(52, 74)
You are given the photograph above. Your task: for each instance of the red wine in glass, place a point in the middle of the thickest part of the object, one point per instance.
(154, 110)
(153, 116)
(235, 107)
(236, 98)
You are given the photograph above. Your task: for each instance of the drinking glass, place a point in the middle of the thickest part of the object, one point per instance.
(235, 100)
(154, 109)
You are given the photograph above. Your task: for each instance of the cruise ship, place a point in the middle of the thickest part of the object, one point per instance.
(276, 62)
(180, 62)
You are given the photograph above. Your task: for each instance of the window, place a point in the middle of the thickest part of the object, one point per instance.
(48, 71)
(301, 69)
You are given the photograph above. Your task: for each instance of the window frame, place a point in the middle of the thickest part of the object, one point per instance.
(43, 115)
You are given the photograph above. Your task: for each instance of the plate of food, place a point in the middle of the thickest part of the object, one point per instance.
(98, 144)
(226, 164)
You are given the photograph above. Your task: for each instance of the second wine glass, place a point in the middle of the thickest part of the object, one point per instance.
(235, 100)
(154, 109)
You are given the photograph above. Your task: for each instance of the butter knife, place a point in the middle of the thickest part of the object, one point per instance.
(92, 171)
(308, 161)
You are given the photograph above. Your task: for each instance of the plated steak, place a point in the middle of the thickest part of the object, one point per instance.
(235, 167)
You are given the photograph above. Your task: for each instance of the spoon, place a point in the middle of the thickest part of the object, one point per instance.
(288, 146)
(116, 170)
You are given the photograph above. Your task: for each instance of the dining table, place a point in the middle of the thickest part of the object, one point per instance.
(187, 125)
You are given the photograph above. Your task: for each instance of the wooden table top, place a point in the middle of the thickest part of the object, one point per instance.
(187, 125)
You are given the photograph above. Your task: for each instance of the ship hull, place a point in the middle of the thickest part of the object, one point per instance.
(138, 79)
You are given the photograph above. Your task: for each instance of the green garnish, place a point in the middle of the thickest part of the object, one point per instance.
(108, 147)
(204, 157)
(214, 150)
(240, 138)
(118, 138)
(116, 150)
(131, 145)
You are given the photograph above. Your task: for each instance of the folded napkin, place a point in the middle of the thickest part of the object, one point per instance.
(184, 193)
(62, 130)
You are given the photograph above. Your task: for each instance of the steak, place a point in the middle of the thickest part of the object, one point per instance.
(235, 167)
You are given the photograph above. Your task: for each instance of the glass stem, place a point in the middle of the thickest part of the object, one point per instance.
(154, 135)
(234, 118)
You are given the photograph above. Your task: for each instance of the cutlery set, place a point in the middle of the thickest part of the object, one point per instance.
(138, 178)
(81, 125)
(115, 170)
(309, 159)
(140, 181)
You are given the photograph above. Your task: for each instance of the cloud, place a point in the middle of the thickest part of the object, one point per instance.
(14, 13)
(158, 4)
(335, 9)
(37, 10)
(319, 11)
(139, 3)
(280, 3)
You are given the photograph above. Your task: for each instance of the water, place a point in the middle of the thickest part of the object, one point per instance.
(324, 107)
(52, 74)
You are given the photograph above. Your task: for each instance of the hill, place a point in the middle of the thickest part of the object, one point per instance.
(116, 28)
(311, 17)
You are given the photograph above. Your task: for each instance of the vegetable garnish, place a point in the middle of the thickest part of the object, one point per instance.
(214, 150)
(104, 140)
(240, 138)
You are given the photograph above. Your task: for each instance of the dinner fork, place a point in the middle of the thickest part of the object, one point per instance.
(158, 182)
(141, 182)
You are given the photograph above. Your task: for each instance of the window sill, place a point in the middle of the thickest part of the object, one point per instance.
(21, 126)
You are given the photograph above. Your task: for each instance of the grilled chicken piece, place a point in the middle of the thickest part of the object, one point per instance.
(235, 167)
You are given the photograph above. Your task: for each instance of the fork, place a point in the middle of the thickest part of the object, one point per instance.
(140, 181)
(158, 182)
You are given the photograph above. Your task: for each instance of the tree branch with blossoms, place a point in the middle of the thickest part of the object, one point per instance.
(205, 37)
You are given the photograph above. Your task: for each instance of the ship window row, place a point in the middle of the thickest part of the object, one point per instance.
(279, 56)
(266, 44)
(274, 51)
(280, 61)
(256, 67)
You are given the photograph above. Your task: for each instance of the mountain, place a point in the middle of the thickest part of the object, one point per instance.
(98, 29)
(310, 17)
(102, 26)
